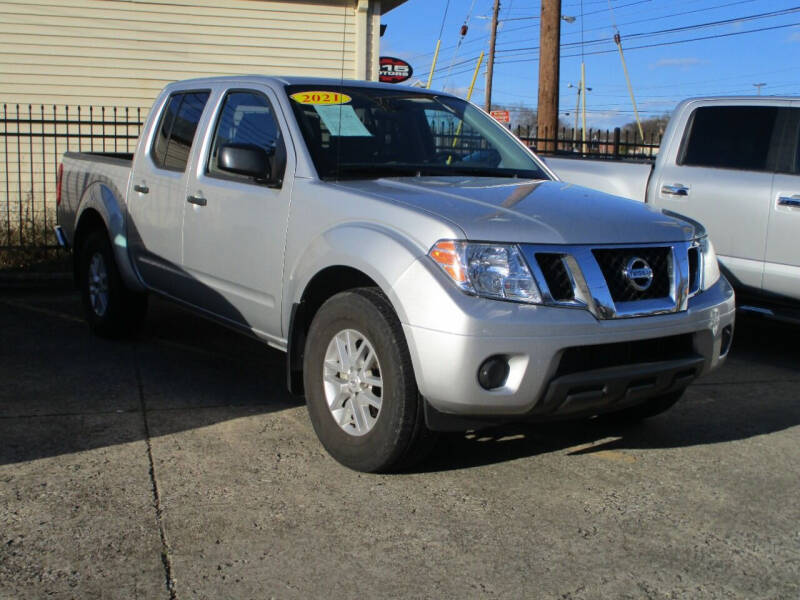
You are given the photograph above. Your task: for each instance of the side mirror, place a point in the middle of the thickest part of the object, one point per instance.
(245, 159)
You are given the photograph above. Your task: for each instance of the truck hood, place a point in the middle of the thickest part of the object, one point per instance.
(524, 211)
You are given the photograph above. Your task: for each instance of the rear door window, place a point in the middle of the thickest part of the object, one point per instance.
(162, 138)
(731, 137)
(177, 129)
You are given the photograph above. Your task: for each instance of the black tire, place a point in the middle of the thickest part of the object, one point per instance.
(640, 412)
(123, 312)
(398, 437)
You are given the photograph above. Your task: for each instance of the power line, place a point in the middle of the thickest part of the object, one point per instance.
(444, 17)
(677, 14)
(745, 76)
(672, 43)
(649, 19)
(585, 14)
(654, 45)
(513, 29)
(775, 13)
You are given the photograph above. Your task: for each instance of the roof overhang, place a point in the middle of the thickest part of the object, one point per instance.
(387, 5)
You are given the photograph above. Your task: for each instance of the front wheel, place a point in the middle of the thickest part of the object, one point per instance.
(111, 309)
(360, 388)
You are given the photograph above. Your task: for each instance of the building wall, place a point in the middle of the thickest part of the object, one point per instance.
(122, 52)
(82, 74)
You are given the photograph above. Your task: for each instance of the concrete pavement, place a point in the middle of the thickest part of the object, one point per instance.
(176, 465)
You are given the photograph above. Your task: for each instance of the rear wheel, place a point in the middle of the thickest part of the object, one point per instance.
(640, 412)
(360, 388)
(111, 309)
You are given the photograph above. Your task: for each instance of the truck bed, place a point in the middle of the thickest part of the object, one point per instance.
(626, 179)
(87, 177)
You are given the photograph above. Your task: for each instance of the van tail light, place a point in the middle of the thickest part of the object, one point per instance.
(58, 183)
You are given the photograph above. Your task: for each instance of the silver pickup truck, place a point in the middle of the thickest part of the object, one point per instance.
(734, 165)
(420, 267)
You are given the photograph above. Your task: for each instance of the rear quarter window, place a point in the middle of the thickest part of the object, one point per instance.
(731, 137)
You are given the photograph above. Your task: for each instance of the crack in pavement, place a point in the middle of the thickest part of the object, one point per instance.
(166, 551)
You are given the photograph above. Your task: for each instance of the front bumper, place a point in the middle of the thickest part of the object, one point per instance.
(451, 334)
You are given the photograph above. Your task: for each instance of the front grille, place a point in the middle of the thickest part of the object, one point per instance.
(613, 262)
(556, 276)
(694, 269)
(601, 356)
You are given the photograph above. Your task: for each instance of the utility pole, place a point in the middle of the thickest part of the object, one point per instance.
(549, 71)
(759, 86)
(490, 64)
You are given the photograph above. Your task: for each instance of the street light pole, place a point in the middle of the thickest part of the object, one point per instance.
(578, 89)
(577, 114)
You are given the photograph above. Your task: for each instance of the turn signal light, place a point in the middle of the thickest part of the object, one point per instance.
(446, 254)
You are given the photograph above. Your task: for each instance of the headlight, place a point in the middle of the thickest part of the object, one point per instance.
(710, 264)
(489, 270)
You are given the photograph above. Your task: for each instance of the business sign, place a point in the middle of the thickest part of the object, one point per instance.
(502, 116)
(394, 70)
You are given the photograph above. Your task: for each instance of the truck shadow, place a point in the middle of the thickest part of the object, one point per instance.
(755, 393)
(65, 391)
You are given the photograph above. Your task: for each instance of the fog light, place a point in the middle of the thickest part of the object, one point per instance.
(725, 340)
(493, 372)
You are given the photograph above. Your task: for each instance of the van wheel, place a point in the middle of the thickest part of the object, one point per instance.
(640, 412)
(111, 309)
(360, 388)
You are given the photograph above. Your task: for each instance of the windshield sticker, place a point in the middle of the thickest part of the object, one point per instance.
(342, 121)
(320, 98)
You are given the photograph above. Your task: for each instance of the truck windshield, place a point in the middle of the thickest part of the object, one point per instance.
(362, 132)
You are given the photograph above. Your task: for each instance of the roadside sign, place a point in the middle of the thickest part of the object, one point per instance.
(503, 116)
(394, 70)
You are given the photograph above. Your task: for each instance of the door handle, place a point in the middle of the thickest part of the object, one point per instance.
(142, 189)
(793, 201)
(675, 189)
(198, 200)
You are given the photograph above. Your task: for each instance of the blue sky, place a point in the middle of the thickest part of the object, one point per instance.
(729, 62)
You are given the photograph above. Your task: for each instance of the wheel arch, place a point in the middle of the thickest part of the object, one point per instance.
(353, 254)
(325, 284)
(101, 207)
(90, 220)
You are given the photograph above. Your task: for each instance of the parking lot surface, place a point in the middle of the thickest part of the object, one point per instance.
(176, 465)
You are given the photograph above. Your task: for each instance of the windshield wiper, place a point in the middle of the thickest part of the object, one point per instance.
(376, 171)
(477, 171)
(370, 171)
